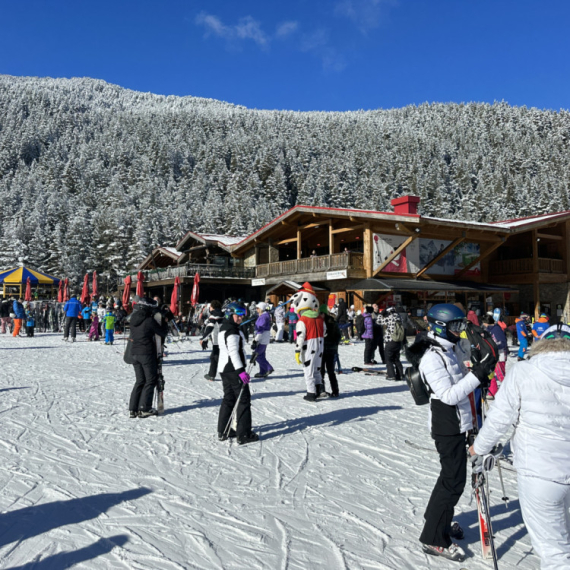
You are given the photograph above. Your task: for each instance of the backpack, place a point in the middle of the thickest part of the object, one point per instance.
(417, 385)
(398, 334)
(484, 350)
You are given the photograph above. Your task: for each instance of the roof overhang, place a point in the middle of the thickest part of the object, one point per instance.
(159, 252)
(387, 284)
(291, 285)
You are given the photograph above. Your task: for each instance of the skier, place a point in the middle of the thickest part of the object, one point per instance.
(368, 336)
(144, 327)
(293, 318)
(235, 379)
(30, 323)
(212, 331)
(442, 368)
(19, 316)
(94, 330)
(393, 337)
(535, 398)
(280, 322)
(540, 326)
(522, 335)
(262, 338)
(109, 326)
(309, 347)
(330, 353)
(86, 315)
(71, 309)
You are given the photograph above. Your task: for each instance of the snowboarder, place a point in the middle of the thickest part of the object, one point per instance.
(262, 338)
(442, 366)
(235, 379)
(535, 398)
(212, 331)
(310, 345)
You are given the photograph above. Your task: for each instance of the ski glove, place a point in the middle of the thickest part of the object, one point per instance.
(254, 345)
(484, 463)
(244, 377)
(483, 374)
(298, 357)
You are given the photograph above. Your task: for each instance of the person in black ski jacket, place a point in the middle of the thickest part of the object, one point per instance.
(5, 310)
(144, 327)
(212, 331)
(342, 319)
(235, 379)
(331, 342)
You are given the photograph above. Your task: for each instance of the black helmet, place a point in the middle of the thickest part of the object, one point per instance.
(235, 309)
(444, 319)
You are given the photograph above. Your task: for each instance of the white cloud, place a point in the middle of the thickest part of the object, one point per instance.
(286, 29)
(246, 29)
(365, 14)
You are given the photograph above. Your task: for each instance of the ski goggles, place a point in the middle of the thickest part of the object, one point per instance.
(240, 312)
(457, 326)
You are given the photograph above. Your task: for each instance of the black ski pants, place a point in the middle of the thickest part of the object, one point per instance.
(394, 368)
(232, 385)
(214, 357)
(369, 348)
(329, 357)
(447, 491)
(146, 372)
(70, 323)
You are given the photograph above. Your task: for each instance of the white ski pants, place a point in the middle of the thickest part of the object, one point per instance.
(544, 506)
(313, 357)
(280, 331)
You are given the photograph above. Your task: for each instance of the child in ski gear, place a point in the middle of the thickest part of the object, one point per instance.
(280, 322)
(501, 341)
(235, 379)
(310, 344)
(293, 319)
(86, 316)
(30, 324)
(262, 338)
(540, 326)
(211, 332)
(109, 326)
(394, 335)
(535, 398)
(330, 352)
(522, 335)
(368, 336)
(450, 382)
(94, 330)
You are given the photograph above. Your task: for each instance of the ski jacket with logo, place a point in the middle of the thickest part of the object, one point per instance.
(534, 399)
(451, 383)
(232, 354)
(262, 328)
(72, 308)
(521, 328)
(212, 329)
(18, 310)
(539, 327)
(389, 321)
(499, 337)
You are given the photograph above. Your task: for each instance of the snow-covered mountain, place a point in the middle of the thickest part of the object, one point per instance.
(92, 175)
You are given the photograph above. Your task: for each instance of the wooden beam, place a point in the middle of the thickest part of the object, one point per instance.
(382, 297)
(315, 224)
(341, 230)
(441, 254)
(402, 228)
(535, 275)
(549, 236)
(331, 238)
(368, 258)
(395, 253)
(482, 256)
(298, 243)
(289, 240)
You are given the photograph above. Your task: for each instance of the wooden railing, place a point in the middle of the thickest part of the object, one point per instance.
(190, 269)
(321, 263)
(512, 266)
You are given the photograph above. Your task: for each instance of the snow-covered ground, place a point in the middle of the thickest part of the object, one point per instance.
(331, 485)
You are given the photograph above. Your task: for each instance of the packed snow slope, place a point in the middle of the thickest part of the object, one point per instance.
(331, 485)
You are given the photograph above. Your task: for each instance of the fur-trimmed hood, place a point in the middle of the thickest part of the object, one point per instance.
(551, 345)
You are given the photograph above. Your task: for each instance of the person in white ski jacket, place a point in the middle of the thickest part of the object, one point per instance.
(535, 399)
(280, 322)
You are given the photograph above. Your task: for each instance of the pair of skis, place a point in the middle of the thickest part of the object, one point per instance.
(369, 371)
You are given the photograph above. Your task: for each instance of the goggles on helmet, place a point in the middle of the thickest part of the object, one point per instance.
(457, 326)
(240, 312)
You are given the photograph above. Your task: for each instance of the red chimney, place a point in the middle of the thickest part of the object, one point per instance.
(405, 205)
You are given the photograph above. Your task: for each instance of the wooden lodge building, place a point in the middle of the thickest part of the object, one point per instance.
(397, 257)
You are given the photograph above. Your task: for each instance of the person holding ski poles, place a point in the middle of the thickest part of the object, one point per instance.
(262, 338)
(535, 398)
(442, 368)
(235, 379)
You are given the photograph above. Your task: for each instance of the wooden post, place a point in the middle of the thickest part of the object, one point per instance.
(535, 275)
(299, 243)
(368, 258)
(331, 238)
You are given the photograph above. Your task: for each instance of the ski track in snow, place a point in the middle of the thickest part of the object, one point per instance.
(330, 486)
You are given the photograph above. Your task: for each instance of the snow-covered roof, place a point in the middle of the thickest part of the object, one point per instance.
(172, 250)
(222, 240)
(518, 222)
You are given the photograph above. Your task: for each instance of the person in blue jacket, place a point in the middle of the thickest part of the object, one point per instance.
(71, 309)
(19, 316)
(522, 335)
(540, 326)
(86, 314)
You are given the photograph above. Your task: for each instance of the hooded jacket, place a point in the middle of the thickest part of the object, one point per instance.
(232, 354)
(539, 327)
(263, 328)
(535, 400)
(144, 327)
(19, 310)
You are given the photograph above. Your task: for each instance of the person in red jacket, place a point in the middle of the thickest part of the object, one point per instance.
(472, 316)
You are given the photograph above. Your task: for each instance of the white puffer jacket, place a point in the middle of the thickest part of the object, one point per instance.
(450, 382)
(535, 399)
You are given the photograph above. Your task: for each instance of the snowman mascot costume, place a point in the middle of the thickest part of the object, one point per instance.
(310, 340)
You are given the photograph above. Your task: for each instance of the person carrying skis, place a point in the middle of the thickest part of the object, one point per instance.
(262, 338)
(235, 379)
(71, 309)
(522, 335)
(330, 353)
(535, 398)
(144, 327)
(212, 331)
(442, 367)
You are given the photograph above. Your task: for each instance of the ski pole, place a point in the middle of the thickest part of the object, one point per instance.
(233, 417)
(504, 497)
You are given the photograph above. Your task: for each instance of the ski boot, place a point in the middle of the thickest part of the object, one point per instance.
(133, 414)
(148, 413)
(310, 397)
(223, 437)
(249, 438)
(321, 392)
(453, 552)
(208, 377)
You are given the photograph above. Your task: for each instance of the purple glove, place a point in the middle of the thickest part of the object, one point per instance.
(244, 377)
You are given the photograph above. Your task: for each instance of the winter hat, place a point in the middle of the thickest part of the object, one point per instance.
(369, 309)
(262, 306)
(307, 288)
(324, 309)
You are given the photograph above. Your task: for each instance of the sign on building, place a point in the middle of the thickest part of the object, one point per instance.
(341, 274)
(257, 282)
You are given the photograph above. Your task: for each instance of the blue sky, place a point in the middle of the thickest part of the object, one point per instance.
(301, 54)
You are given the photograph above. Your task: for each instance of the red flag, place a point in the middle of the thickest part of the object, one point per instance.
(195, 290)
(60, 292)
(95, 290)
(127, 292)
(175, 296)
(140, 288)
(66, 290)
(28, 295)
(85, 298)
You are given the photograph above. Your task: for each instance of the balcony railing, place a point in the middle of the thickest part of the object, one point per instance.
(190, 269)
(353, 262)
(512, 266)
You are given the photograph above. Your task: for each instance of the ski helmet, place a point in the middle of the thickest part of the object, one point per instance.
(235, 309)
(557, 331)
(445, 319)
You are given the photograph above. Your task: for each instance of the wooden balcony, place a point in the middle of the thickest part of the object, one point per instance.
(524, 266)
(190, 269)
(352, 262)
